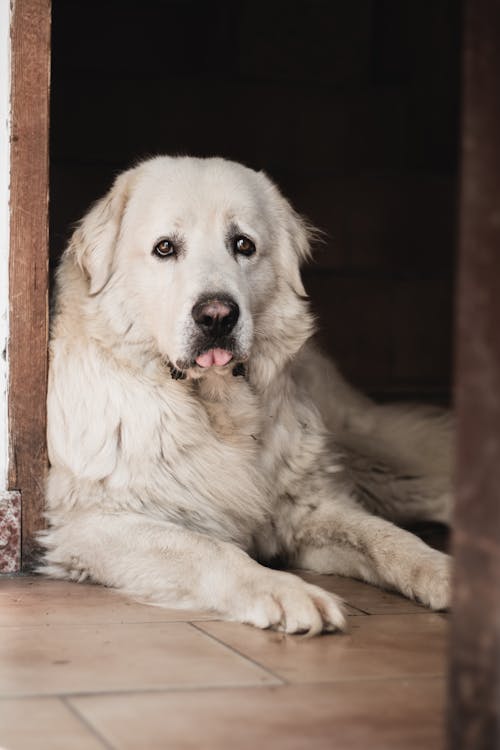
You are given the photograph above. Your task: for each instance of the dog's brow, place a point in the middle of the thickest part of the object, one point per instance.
(232, 229)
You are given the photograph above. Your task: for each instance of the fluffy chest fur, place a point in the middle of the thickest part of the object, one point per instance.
(214, 455)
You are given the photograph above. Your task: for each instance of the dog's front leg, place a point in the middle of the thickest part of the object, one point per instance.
(168, 565)
(340, 537)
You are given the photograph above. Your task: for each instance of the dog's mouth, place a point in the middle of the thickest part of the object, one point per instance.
(214, 358)
(216, 352)
(218, 355)
(227, 357)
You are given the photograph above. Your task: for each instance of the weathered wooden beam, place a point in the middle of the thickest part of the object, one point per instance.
(29, 260)
(474, 705)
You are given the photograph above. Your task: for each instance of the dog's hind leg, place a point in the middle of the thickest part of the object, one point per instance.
(341, 537)
(399, 461)
(396, 492)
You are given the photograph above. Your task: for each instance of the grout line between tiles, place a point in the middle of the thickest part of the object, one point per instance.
(223, 688)
(93, 623)
(146, 691)
(282, 680)
(388, 613)
(361, 611)
(105, 623)
(65, 700)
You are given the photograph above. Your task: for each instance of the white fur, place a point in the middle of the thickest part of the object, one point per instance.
(172, 489)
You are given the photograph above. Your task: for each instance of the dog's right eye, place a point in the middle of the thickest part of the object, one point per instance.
(243, 246)
(164, 249)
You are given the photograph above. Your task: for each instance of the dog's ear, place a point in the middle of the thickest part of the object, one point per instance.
(94, 240)
(302, 234)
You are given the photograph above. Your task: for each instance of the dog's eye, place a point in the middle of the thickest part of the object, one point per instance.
(243, 246)
(164, 249)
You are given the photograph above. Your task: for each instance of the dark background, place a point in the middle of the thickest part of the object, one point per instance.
(351, 107)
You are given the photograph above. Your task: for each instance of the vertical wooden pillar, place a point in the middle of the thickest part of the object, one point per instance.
(474, 706)
(29, 260)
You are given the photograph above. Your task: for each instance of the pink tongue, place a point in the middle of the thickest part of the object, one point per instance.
(217, 357)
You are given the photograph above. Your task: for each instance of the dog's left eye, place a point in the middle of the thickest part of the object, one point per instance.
(164, 249)
(243, 246)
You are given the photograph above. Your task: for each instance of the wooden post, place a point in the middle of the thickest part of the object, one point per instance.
(474, 706)
(29, 261)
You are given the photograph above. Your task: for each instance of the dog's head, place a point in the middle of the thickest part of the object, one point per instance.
(201, 256)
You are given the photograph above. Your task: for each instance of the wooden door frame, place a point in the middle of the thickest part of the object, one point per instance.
(474, 684)
(28, 263)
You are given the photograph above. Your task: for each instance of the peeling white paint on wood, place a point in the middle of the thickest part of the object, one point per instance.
(5, 16)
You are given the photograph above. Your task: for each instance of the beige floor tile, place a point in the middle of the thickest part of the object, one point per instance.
(68, 659)
(34, 600)
(363, 596)
(379, 715)
(43, 724)
(376, 646)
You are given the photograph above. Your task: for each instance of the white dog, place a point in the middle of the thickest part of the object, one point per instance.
(193, 429)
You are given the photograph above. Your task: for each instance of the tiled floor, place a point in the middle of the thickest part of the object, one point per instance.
(82, 668)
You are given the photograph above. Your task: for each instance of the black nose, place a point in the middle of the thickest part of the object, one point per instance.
(216, 316)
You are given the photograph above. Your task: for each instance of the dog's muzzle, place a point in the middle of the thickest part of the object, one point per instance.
(215, 316)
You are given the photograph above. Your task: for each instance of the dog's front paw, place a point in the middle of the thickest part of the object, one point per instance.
(285, 602)
(431, 580)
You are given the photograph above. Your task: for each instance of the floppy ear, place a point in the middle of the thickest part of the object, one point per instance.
(286, 322)
(301, 234)
(94, 240)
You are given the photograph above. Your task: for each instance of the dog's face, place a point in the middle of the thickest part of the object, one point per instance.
(204, 254)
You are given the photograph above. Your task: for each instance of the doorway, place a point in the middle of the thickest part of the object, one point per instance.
(352, 108)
